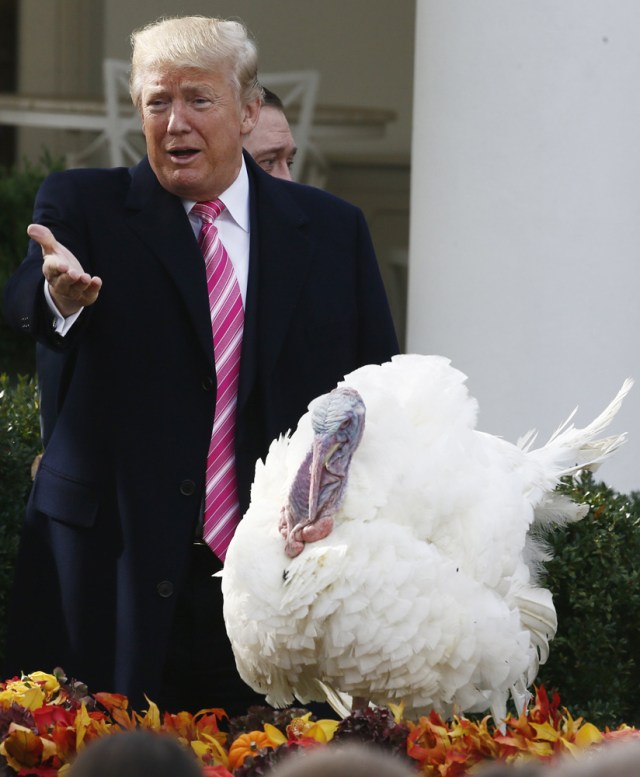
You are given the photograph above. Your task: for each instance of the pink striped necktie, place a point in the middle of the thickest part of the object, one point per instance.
(221, 508)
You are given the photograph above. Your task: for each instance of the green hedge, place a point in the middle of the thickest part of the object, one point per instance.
(595, 581)
(594, 577)
(19, 444)
(18, 188)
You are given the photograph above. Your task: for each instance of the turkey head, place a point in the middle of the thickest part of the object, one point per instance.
(318, 488)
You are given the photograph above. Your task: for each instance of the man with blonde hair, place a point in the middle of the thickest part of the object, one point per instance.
(199, 305)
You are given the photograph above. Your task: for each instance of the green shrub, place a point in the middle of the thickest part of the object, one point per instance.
(18, 188)
(19, 444)
(595, 580)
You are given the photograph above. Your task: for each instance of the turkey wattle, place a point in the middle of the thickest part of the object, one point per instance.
(388, 551)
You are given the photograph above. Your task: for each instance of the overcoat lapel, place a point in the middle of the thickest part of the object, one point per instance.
(280, 259)
(161, 223)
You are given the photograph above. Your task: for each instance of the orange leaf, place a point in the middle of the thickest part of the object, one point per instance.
(22, 748)
(64, 739)
(112, 701)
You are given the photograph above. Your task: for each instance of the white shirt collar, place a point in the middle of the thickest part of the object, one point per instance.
(235, 199)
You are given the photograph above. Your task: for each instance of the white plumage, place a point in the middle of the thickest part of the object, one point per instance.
(425, 590)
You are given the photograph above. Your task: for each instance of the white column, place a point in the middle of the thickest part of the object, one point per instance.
(60, 54)
(525, 212)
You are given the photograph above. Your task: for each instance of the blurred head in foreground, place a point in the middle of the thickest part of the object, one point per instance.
(135, 754)
(348, 760)
(613, 758)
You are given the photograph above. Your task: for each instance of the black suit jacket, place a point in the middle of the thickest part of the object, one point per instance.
(118, 492)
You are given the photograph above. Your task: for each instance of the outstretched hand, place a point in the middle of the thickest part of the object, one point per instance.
(70, 286)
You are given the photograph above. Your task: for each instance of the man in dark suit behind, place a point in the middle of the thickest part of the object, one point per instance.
(113, 581)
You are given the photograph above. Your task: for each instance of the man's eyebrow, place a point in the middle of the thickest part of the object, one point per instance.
(190, 86)
(154, 90)
(197, 86)
(275, 149)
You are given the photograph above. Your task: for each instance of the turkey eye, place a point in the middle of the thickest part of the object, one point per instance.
(345, 424)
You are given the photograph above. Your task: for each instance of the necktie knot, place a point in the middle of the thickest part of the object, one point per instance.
(209, 210)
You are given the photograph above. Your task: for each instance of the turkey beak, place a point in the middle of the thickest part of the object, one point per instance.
(322, 450)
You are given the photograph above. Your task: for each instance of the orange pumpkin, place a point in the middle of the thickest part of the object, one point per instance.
(246, 745)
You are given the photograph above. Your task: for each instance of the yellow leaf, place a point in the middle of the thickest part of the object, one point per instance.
(215, 748)
(51, 684)
(322, 730)
(588, 735)
(539, 749)
(49, 748)
(32, 698)
(546, 732)
(397, 710)
(151, 717)
(570, 748)
(82, 723)
(275, 735)
(201, 749)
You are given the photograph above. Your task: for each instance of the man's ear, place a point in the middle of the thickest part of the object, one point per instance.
(250, 113)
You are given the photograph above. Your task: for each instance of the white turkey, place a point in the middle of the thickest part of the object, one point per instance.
(389, 551)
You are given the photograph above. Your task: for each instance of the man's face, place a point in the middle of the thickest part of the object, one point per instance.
(271, 144)
(194, 126)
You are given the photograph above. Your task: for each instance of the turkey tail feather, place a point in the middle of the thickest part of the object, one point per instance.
(582, 444)
(339, 702)
(538, 615)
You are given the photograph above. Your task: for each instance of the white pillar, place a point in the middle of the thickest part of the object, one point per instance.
(60, 55)
(525, 212)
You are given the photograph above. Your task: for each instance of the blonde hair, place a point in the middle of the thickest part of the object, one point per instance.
(196, 42)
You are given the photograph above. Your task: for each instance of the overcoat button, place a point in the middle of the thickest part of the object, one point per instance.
(208, 383)
(165, 589)
(187, 487)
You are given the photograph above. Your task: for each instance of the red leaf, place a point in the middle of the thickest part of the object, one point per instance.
(46, 717)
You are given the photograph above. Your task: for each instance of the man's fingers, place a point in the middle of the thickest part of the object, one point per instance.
(70, 296)
(79, 282)
(53, 268)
